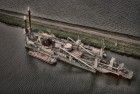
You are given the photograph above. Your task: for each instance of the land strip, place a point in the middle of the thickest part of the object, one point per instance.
(117, 42)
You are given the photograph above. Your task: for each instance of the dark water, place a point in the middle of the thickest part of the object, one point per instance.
(20, 73)
(115, 15)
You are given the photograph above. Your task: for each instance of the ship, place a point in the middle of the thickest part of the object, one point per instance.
(51, 49)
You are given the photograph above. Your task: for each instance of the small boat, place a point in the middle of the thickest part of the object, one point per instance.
(43, 56)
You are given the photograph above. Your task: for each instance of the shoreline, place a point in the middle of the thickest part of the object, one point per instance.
(62, 30)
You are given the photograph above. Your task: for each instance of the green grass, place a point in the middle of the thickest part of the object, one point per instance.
(88, 39)
(11, 20)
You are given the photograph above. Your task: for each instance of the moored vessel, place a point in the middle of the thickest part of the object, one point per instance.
(49, 48)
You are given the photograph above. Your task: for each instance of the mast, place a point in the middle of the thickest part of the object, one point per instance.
(29, 15)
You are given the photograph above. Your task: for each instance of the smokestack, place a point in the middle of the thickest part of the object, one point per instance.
(29, 15)
(25, 21)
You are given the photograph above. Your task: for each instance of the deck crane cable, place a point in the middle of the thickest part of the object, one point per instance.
(81, 46)
(78, 59)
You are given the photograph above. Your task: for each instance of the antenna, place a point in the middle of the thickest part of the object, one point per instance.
(25, 21)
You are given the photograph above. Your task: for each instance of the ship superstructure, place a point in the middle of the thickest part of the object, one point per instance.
(49, 48)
